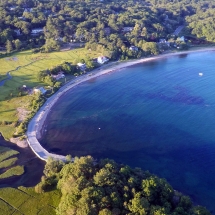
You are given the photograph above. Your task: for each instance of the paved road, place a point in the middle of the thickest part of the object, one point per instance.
(178, 30)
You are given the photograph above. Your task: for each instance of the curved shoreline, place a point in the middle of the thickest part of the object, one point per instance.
(36, 123)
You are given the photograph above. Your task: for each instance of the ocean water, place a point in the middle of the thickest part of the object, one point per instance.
(158, 115)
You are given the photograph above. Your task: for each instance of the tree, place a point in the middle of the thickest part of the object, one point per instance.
(52, 167)
(89, 63)
(53, 28)
(150, 48)
(139, 205)
(199, 210)
(107, 188)
(105, 212)
(17, 44)
(157, 190)
(9, 46)
(51, 45)
(24, 26)
(5, 35)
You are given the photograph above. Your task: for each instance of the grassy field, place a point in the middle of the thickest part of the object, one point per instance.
(8, 167)
(26, 201)
(24, 67)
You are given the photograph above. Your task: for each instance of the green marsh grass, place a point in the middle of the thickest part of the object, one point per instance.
(25, 201)
(13, 171)
(29, 65)
(6, 154)
(5, 208)
(8, 162)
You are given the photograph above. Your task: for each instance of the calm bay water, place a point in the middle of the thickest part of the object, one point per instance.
(158, 115)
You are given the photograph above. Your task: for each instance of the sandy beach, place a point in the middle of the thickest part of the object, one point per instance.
(36, 127)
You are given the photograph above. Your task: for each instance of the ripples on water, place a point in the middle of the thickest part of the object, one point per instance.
(159, 115)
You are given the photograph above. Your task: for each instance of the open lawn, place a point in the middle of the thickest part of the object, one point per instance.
(24, 67)
(26, 201)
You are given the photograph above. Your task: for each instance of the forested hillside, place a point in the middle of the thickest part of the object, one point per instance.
(113, 25)
(108, 188)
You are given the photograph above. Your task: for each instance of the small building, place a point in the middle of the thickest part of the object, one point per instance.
(127, 29)
(41, 90)
(59, 76)
(182, 39)
(133, 48)
(82, 66)
(37, 31)
(162, 40)
(28, 10)
(102, 59)
(12, 8)
(17, 31)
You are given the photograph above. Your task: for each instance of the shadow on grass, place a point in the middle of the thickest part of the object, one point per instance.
(5, 111)
(13, 87)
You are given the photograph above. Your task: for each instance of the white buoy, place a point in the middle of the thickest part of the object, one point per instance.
(99, 128)
(200, 74)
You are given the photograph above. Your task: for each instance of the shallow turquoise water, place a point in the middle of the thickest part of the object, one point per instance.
(158, 115)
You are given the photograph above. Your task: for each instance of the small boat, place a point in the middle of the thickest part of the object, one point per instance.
(200, 74)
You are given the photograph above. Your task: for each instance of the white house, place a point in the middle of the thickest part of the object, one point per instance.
(133, 48)
(37, 30)
(102, 59)
(41, 90)
(13, 8)
(182, 39)
(82, 66)
(59, 76)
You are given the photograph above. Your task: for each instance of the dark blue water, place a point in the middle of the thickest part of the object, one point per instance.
(158, 115)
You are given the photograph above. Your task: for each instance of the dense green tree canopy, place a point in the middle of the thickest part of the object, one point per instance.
(105, 187)
(94, 21)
